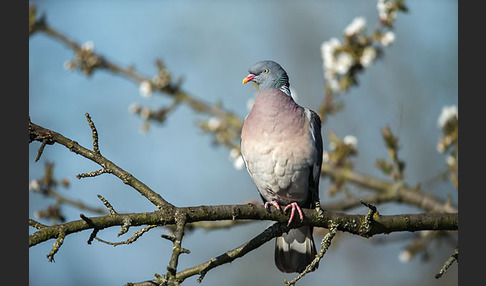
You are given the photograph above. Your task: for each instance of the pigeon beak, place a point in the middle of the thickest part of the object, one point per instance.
(248, 78)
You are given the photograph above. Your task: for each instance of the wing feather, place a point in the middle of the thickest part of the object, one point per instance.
(315, 172)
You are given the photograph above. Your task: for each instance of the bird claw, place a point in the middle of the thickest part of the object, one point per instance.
(272, 203)
(294, 206)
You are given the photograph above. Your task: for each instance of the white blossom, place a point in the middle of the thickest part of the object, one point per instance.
(214, 123)
(328, 48)
(234, 153)
(451, 160)
(343, 62)
(239, 163)
(440, 147)
(351, 141)
(335, 62)
(382, 10)
(325, 157)
(357, 26)
(88, 46)
(334, 84)
(385, 10)
(34, 185)
(448, 113)
(328, 75)
(368, 56)
(145, 88)
(237, 159)
(387, 38)
(405, 256)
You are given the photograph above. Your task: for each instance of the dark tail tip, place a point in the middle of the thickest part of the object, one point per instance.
(295, 250)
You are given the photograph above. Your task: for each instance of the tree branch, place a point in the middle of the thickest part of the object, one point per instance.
(132, 239)
(454, 257)
(273, 231)
(177, 250)
(38, 133)
(325, 244)
(382, 224)
(389, 191)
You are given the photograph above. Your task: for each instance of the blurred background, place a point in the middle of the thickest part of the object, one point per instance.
(211, 44)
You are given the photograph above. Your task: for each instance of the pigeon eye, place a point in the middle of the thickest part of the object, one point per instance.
(265, 71)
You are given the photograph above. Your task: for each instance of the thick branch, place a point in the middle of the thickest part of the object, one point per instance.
(348, 223)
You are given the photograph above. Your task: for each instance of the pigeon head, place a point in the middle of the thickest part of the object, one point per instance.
(268, 74)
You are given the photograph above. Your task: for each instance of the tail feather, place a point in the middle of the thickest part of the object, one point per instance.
(295, 250)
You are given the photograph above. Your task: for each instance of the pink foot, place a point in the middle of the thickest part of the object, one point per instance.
(294, 206)
(272, 203)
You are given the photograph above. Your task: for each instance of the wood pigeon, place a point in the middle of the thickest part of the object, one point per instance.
(281, 145)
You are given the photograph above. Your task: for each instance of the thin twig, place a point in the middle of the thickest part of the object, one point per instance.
(93, 235)
(269, 233)
(127, 222)
(94, 133)
(168, 237)
(47, 186)
(38, 133)
(326, 242)
(132, 239)
(41, 149)
(107, 205)
(366, 224)
(76, 203)
(55, 247)
(36, 224)
(93, 174)
(454, 257)
(417, 244)
(177, 248)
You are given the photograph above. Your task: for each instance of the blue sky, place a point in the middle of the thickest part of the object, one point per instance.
(212, 44)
